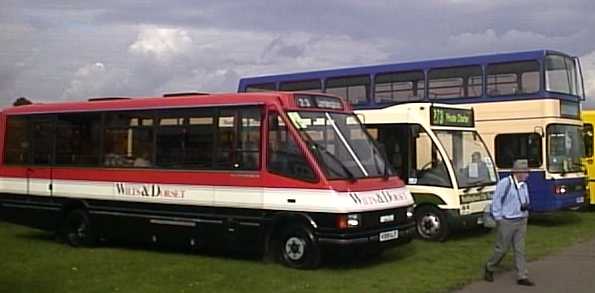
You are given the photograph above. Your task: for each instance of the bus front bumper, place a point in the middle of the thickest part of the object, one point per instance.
(404, 234)
(458, 222)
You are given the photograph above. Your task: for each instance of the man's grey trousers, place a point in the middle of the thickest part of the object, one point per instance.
(510, 233)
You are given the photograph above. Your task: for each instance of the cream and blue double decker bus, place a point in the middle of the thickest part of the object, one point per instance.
(526, 104)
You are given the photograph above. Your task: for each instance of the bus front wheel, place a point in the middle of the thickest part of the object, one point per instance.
(297, 248)
(77, 229)
(431, 223)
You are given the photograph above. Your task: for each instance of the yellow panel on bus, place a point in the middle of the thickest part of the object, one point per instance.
(588, 117)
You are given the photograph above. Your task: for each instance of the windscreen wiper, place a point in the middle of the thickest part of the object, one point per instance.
(320, 148)
(482, 186)
(385, 172)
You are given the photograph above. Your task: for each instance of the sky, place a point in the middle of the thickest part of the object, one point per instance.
(75, 50)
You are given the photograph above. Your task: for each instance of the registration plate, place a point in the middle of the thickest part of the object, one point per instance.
(389, 235)
(580, 199)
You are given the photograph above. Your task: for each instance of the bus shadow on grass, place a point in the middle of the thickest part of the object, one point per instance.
(469, 233)
(37, 235)
(555, 219)
(348, 260)
(331, 260)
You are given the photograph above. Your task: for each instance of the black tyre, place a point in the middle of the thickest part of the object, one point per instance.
(431, 223)
(297, 248)
(77, 229)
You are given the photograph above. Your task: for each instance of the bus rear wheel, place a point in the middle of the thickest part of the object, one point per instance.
(77, 229)
(431, 223)
(297, 248)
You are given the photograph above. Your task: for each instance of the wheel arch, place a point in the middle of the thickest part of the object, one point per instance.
(281, 220)
(68, 206)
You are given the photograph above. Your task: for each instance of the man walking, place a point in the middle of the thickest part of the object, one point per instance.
(510, 206)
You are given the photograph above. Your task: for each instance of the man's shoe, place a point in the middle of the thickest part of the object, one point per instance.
(525, 282)
(488, 275)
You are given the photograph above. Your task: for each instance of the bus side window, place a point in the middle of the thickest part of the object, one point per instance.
(128, 139)
(238, 139)
(513, 146)
(455, 82)
(18, 145)
(355, 89)
(516, 78)
(78, 139)
(284, 156)
(264, 87)
(41, 135)
(248, 146)
(588, 136)
(303, 85)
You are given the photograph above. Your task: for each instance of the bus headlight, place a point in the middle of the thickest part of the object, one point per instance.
(410, 211)
(560, 189)
(349, 221)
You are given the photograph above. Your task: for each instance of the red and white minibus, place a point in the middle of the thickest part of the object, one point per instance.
(286, 173)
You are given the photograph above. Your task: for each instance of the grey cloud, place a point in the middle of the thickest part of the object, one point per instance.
(278, 46)
(45, 44)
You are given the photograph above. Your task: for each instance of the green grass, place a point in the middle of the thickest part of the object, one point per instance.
(31, 261)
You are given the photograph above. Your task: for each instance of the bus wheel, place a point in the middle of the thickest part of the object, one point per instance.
(431, 223)
(297, 248)
(77, 229)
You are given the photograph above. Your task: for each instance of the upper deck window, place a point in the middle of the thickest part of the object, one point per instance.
(399, 87)
(517, 78)
(355, 89)
(263, 87)
(302, 85)
(455, 82)
(561, 75)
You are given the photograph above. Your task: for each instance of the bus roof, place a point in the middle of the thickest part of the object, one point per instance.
(283, 99)
(405, 66)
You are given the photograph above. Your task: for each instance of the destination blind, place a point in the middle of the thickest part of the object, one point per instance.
(440, 116)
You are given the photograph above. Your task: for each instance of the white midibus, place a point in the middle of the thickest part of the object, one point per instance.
(444, 161)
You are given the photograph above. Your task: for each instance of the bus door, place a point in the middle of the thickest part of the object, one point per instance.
(239, 143)
(413, 154)
(395, 140)
(589, 161)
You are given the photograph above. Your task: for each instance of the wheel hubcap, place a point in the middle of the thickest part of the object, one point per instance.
(78, 229)
(294, 248)
(81, 230)
(429, 225)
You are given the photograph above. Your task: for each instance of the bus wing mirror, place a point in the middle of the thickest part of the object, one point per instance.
(539, 130)
(381, 148)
